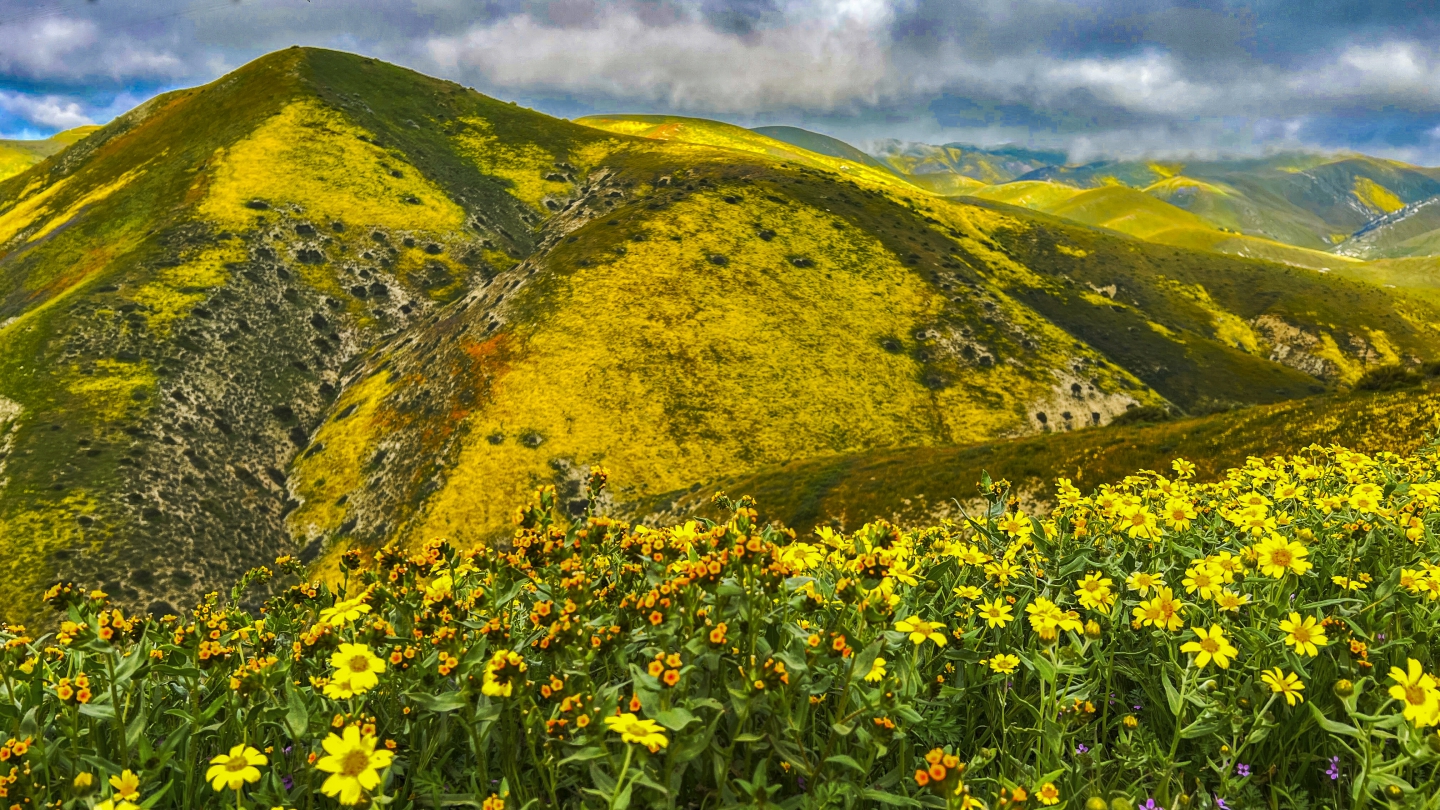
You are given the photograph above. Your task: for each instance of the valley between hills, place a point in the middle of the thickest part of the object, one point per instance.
(328, 303)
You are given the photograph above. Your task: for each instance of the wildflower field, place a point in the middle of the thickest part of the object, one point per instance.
(1265, 640)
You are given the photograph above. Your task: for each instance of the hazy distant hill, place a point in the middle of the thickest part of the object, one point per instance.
(325, 301)
(987, 166)
(1410, 231)
(1303, 200)
(17, 156)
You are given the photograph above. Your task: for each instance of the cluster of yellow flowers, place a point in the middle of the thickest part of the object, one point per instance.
(1160, 625)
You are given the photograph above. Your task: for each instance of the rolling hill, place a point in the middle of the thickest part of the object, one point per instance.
(916, 486)
(1297, 200)
(985, 166)
(17, 156)
(1413, 230)
(327, 302)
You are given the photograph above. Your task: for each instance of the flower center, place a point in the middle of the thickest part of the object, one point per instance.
(236, 764)
(1301, 634)
(1210, 645)
(1281, 557)
(356, 762)
(1414, 695)
(359, 663)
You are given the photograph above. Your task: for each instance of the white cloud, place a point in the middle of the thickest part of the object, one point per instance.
(817, 62)
(51, 112)
(63, 48)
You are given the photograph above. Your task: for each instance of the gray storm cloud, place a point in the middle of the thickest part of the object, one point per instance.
(1097, 77)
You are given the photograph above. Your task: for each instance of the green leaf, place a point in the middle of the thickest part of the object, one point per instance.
(102, 711)
(1332, 726)
(865, 658)
(675, 719)
(28, 725)
(584, 755)
(1172, 697)
(1042, 667)
(297, 718)
(1080, 562)
(891, 799)
(749, 737)
(136, 730)
(1202, 727)
(841, 759)
(441, 703)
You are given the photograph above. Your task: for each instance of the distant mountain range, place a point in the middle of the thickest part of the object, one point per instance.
(1302, 200)
(327, 303)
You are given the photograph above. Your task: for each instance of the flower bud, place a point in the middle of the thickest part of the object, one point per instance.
(1344, 688)
(1209, 686)
(1092, 629)
(1394, 793)
(1121, 803)
(1095, 803)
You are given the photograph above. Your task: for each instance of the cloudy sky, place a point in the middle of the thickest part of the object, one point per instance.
(1096, 77)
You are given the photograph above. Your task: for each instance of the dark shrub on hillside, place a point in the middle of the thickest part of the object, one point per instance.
(1387, 378)
(1143, 413)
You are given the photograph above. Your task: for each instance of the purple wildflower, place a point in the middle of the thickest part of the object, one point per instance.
(1081, 748)
(1220, 803)
(1334, 770)
(1242, 769)
(288, 782)
(1150, 805)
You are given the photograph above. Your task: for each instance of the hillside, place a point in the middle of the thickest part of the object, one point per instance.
(17, 156)
(985, 166)
(1297, 200)
(1143, 215)
(822, 145)
(836, 156)
(1410, 231)
(916, 486)
(325, 301)
(1308, 201)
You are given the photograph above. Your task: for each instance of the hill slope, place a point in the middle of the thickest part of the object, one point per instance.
(17, 156)
(1410, 231)
(985, 166)
(326, 301)
(914, 486)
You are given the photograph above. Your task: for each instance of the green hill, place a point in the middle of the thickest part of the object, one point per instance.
(916, 486)
(1410, 231)
(834, 156)
(822, 145)
(326, 301)
(986, 166)
(1308, 201)
(17, 156)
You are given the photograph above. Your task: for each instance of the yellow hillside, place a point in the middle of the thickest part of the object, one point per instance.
(1127, 210)
(728, 136)
(1039, 195)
